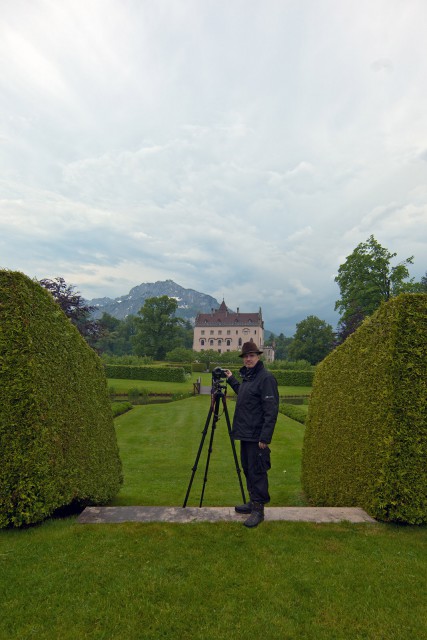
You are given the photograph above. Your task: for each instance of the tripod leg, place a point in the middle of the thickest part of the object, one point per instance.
(214, 421)
(196, 462)
(233, 446)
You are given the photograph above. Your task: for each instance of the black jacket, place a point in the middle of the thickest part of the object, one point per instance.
(257, 404)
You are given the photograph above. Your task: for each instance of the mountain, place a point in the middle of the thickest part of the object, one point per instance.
(190, 302)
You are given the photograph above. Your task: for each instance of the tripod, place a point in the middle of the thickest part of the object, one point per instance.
(218, 393)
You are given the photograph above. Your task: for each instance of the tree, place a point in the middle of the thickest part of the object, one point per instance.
(281, 346)
(421, 286)
(313, 340)
(116, 335)
(74, 307)
(349, 323)
(157, 328)
(186, 332)
(365, 280)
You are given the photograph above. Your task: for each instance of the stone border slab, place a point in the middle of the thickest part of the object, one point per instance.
(100, 515)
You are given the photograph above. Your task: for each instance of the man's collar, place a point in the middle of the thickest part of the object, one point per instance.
(247, 374)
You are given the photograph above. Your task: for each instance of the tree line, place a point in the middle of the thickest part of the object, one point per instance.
(367, 278)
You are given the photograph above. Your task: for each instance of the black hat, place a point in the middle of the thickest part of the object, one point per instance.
(249, 347)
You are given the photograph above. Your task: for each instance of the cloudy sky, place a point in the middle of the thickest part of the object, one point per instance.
(242, 148)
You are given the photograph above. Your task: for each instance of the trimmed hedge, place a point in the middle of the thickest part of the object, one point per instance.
(290, 378)
(293, 411)
(57, 434)
(118, 408)
(366, 434)
(159, 374)
(188, 369)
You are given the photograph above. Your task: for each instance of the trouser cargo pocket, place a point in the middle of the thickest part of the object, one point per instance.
(263, 463)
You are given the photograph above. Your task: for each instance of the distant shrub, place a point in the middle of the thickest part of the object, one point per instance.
(118, 408)
(134, 393)
(293, 411)
(188, 370)
(366, 433)
(159, 374)
(291, 365)
(127, 359)
(179, 354)
(294, 378)
(57, 438)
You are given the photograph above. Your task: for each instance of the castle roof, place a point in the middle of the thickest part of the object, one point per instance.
(224, 317)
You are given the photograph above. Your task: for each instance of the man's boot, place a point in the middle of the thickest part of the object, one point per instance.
(244, 508)
(256, 516)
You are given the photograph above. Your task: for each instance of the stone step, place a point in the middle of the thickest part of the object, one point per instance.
(99, 515)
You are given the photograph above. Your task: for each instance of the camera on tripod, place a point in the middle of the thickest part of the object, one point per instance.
(218, 395)
(218, 373)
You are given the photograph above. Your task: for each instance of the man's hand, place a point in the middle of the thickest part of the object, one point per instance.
(262, 445)
(228, 373)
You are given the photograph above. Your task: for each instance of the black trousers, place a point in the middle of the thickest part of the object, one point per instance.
(255, 465)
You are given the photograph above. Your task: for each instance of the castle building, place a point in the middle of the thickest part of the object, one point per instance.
(223, 330)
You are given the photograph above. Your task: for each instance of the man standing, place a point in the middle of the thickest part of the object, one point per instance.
(253, 424)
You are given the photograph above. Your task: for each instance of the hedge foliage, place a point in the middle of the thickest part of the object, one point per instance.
(290, 378)
(293, 411)
(159, 374)
(188, 369)
(366, 433)
(57, 439)
(118, 408)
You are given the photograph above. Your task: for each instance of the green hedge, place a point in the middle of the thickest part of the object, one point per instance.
(198, 367)
(290, 378)
(159, 374)
(366, 433)
(293, 411)
(118, 408)
(188, 369)
(57, 438)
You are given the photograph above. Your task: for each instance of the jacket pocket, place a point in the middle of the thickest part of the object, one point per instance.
(263, 463)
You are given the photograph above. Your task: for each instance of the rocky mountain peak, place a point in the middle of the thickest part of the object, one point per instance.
(190, 302)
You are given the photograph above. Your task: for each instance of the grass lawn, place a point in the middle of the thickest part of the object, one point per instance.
(206, 581)
(159, 444)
